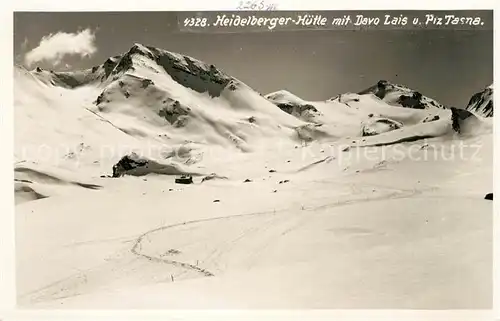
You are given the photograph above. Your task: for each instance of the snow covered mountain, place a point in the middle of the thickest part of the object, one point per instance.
(366, 114)
(399, 95)
(145, 96)
(481, 103)
(186, 70)
(175, 108)
(293, 105)
(285, 194)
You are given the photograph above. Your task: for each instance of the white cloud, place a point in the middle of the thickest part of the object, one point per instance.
(54, 47)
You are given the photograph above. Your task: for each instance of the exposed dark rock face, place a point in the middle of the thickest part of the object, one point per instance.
(458, 115)
(304, 112)
(127, 163)
(482, 103)
(406, 97)
(99, 99)
(109, 65)
(187, 71)
(430, 119)
(191, 73)
(233, 86)
(173, 162)
(124, 64)
(174, 112)
(413, 101)
(381, 88)
(135, 165)
(296, 108)
(68, 79)
(145, 83)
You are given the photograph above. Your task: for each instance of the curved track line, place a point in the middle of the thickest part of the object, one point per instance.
(171, 262)
(136, 249)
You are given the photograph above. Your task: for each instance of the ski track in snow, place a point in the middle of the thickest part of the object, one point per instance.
(57, 290)
(136, 249)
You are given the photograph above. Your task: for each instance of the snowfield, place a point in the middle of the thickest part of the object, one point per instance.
(366, 201)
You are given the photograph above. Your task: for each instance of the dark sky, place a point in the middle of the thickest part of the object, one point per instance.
(448, 65)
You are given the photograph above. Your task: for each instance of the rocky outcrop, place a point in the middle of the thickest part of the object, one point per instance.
(135, 165)
(413, 101)
(189, 72)
(175, 113)
(481, 103)
(110, 64)
(377, 126)
(128, 163)
(293, 105)
(400, 95)
(305, 112)
(185, 70)
(430, 118)
(457, 116)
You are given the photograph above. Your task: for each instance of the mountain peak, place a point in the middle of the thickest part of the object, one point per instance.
(140, 46)
(482, 102)
(141, 49)
(283, 96)
(401, 95)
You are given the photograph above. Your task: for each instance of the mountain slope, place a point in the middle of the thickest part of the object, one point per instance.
(399, 95)
(357, 203)
(357, 115)
(157, 103)
(293, 105)
(148, 96)
(481, 103)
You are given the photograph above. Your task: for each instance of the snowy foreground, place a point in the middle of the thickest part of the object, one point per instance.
(304, 210)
